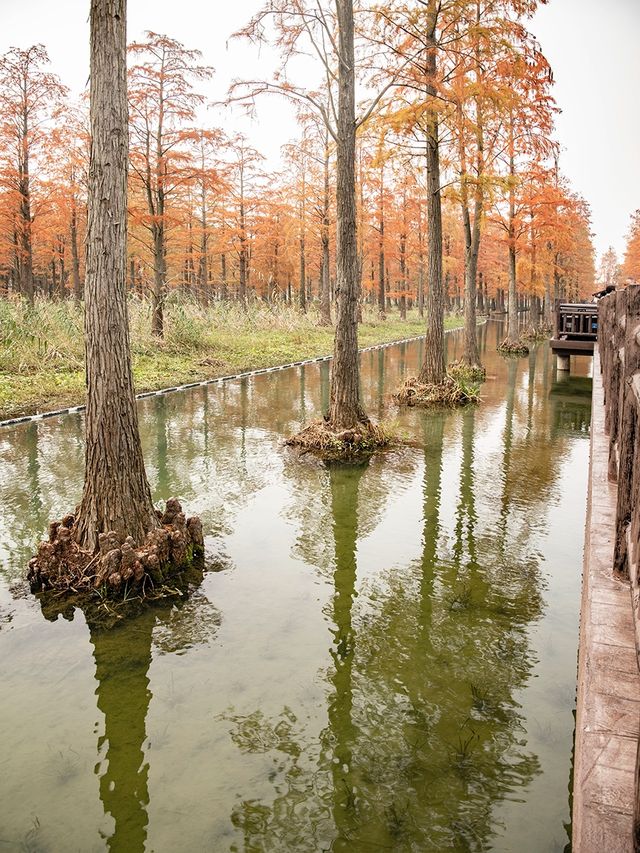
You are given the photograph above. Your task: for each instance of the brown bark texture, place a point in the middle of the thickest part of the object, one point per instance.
(116, 494)
(434, 367)
(345, 410)
(325, 272)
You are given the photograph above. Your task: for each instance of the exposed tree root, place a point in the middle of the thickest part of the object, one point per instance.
(321, 439)
(515, 348)
(119, 567)
(453, 391)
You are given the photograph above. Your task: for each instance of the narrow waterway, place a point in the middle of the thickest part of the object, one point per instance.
(376, 658)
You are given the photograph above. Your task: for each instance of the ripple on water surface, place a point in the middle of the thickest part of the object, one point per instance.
(378, 657)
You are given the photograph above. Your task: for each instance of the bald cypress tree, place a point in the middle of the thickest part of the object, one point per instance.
(116, 492)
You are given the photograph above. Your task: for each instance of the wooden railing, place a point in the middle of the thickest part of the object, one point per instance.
(619, 346)
(576, 320)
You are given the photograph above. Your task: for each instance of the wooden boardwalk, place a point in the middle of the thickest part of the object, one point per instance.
(608, 705)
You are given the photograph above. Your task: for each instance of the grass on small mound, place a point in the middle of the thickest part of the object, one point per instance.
(537, 333)
(322, 440)
(453, 391)
(515, 348)
(467, 372)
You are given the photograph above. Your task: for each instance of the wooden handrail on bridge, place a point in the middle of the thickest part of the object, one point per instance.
(576, 320)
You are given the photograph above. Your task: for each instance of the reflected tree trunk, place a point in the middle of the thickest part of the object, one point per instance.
(162, 485)
(505, 500)
(342, 732)
(123, 697)
(433, 441)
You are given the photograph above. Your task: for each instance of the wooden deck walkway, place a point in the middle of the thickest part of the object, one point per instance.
(608, 705)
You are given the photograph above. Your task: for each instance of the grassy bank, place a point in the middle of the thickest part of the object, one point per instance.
(41, 347)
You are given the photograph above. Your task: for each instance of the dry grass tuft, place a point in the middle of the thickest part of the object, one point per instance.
(515, 348)
(468, 373)
(322, 440)
(454, 391)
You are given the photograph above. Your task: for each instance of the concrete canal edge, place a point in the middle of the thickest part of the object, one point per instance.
(219, 379)
(608, 699)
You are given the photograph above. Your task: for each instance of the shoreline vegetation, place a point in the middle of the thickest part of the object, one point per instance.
(42, 350)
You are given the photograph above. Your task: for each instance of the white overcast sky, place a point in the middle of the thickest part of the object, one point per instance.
(593, 47)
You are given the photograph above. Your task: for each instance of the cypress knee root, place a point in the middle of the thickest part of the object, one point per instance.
(61, 564)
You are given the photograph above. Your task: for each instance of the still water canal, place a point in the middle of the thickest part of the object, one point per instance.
(376, 658)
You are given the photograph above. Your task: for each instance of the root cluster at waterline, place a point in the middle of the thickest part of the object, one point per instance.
(515, 348)
(119, 565)
(460, 386)
(322, 439)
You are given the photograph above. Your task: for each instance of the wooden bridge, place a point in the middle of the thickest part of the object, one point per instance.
(606, 789)
(576, 331)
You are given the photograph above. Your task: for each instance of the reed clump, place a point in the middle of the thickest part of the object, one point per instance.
(361, 441)
(460, 387)
(513, 348)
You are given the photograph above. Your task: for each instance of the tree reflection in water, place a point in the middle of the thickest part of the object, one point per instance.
(419, 742)
(423, 736)
(123, 655)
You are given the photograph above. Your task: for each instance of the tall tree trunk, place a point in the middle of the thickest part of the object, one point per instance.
(535, 312)
(547, 312)
(345, 409)
(471, 354)
(203, 261)
(25, 232)
(403, 276)
(75, 259)
(242, 258)
(159, 242)
(242, 261)
(223, 275)
(512, 307)
(433, 367)
(303, 277)
(420, 268)
(303, 265)
(159, 275)
(116, 493)
(325, 272)
(381, 263)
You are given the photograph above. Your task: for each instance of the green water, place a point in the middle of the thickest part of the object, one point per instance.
(376, 658)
